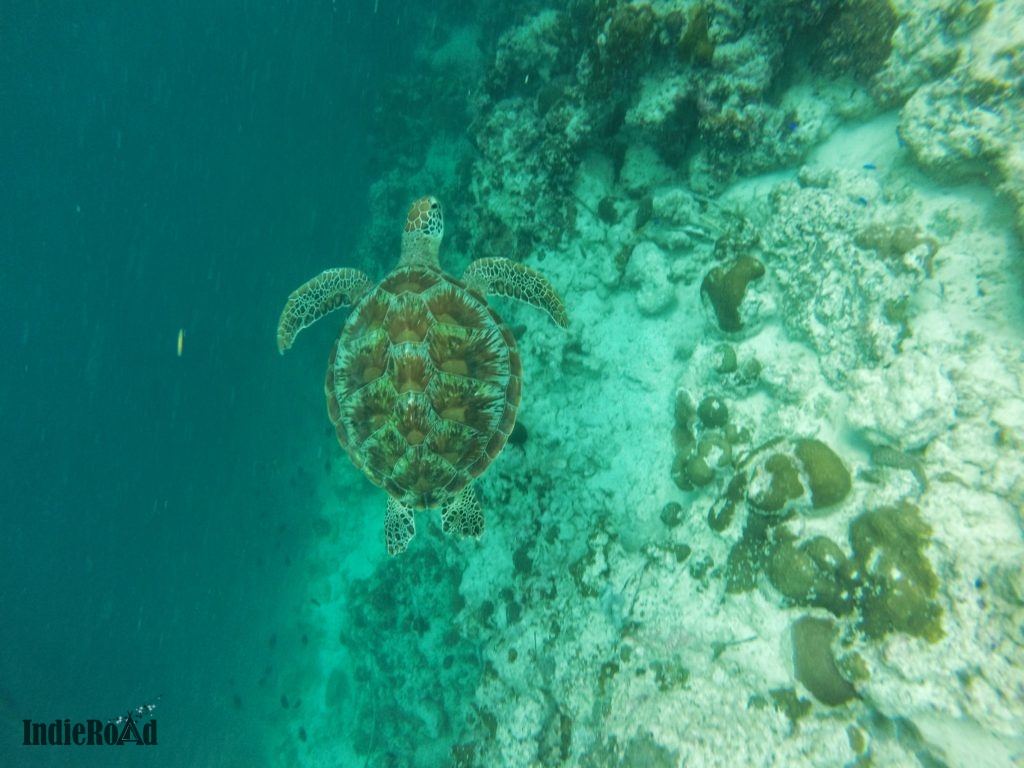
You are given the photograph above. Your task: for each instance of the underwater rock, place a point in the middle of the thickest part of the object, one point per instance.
(529, 49)
(695, 43)
(725, 288)
(970, 123)
(643, 170)
(788, 703)
(832, 294)
(648, 270)
(857, 38)
(906, 404)
(628, 36)
(814, 664)
(606, 210)
(969, 138)
(926, 46)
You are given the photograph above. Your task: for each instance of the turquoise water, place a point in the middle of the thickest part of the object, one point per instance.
(165, 167)
(778, 524)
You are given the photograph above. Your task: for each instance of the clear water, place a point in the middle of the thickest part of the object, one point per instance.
(180, 527)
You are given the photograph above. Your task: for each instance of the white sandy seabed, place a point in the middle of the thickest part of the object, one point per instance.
(632, 657)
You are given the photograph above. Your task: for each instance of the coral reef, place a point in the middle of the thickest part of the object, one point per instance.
(967, 122)
(799, 506)
(814, 573)
(828, 479)
(857, 38)
(725, 288)
(814, 664)
(900, 584)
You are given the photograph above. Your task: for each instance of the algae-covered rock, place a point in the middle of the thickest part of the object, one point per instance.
(726, 287)
(777, 484)
(722, 511)
(747, 557)
(642, 751)
(899, 583)
(815, 573)
(670, 675)
(814, 664)
(788, 703)
(697, 472)
(828, 477)
(796, 474)
(683, 421)
(672, 514)
(712, 412)
(726, 359)
(715, 449)
(697, 468)
(857, 38)
(737, 435)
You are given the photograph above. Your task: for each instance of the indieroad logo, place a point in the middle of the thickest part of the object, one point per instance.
(116, 732)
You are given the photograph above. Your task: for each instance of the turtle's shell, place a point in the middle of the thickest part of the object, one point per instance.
(422, 385)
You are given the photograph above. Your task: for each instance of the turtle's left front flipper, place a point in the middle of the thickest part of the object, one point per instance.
(328, 291)
(505, 277)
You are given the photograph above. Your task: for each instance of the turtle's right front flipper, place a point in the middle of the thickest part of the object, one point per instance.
(328, 291)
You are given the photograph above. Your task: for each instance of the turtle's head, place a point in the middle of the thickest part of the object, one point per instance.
(424, 228)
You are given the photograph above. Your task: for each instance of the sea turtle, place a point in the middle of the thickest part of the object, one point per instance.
(424, 379)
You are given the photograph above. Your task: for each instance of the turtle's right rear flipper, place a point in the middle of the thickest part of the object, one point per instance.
(328, 291)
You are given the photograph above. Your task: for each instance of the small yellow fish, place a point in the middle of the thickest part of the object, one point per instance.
(181, 340)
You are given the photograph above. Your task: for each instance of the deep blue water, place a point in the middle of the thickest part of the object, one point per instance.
(163, 166)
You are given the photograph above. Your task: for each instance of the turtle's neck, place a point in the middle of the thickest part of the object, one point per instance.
(418, 247)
